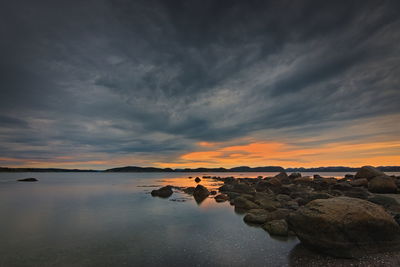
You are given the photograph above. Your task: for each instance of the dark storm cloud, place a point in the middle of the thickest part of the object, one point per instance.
(124, 76)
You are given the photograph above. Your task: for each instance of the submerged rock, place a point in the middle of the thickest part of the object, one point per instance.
(189, 190)
(163, 192)
(368, 172)
(345, 227)
(28, 180)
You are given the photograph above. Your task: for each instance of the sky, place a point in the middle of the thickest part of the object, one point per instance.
(95, 84)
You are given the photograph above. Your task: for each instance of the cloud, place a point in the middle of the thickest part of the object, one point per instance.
(152, 79)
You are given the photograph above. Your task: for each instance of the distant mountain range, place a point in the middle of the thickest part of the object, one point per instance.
(234, 169)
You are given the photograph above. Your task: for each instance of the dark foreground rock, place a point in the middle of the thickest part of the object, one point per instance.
(163, 192)
(28, 180)
(200, 193)
(345, 227)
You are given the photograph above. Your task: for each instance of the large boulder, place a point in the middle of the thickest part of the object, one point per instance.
(200, 193)
(382, 184)
(163, 192)
(368, 172)
(345, 227)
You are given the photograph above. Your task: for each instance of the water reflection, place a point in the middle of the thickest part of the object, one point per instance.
(95, 219)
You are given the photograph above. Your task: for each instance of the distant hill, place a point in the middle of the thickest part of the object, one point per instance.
(234, 169)
(341, 169)
(139, 169)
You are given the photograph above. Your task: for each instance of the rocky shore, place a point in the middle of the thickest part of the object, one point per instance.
(351, 217)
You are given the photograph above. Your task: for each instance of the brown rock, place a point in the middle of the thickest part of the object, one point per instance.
(345, 227)
(382, 184)
(277, 227)
(359, 182)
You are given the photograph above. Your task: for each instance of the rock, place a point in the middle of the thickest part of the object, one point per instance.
(256, 216)
(342, 186)
(243, 203)
(232, 195)
(213, 192)
(28, 180)
(317, 195)
(305, 179)
(282, 177)
(273, 184)
(163, 192)
(386, 201)
(295, 175)
(349, 176)
(276, 227)
(357, 192)
(359, 182)
(283, 198)
(266, 201)
(345, 227)
(189, 190)
(242, 188)
(226, 188)
(221, 198)
(368, 172)
(317, 177)
(197, 180)
(200, 193)
(382, 184)
(260, 216)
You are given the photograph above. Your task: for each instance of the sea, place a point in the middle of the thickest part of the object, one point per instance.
(111, 219)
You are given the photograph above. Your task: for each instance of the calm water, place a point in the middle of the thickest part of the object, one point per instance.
(104, 219)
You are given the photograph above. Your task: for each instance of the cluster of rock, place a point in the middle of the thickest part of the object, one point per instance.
(345, 217)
